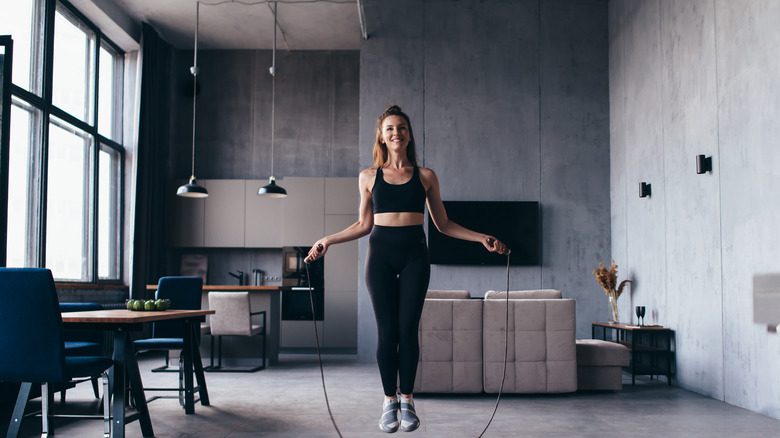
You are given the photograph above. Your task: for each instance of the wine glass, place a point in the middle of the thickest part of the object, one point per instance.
(640, 313)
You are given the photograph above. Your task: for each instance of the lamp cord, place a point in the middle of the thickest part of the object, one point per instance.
(319, 355)
(506, 352)
(273, 96)
(194, 70)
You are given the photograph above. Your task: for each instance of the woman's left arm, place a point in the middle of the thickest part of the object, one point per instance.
(448, 227)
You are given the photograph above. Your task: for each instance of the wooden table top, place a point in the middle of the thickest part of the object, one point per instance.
(626, 326)
(124, 316)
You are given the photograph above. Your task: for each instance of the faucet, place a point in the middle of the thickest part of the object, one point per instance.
(239, 276)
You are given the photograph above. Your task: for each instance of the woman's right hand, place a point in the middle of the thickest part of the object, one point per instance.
(317, 250)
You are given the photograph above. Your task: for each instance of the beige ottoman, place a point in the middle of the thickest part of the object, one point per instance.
(600, 365)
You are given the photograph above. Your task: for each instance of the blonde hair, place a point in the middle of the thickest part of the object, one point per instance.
(380, 149)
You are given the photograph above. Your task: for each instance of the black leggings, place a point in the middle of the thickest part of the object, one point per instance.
(397, 273)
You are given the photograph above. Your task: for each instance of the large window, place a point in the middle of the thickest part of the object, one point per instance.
(66, 155)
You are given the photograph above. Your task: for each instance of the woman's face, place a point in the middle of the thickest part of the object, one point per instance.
(395, 133)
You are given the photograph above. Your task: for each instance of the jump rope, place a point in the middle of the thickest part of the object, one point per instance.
(307, 260)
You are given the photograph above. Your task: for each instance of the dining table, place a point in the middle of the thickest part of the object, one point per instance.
(122, 323)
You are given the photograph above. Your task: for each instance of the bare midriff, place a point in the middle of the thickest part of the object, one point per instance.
(398, 219)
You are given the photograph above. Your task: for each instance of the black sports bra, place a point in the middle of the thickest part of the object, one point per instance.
(406, 197)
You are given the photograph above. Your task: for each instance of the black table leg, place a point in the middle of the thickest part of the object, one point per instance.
(21, 404)
(198, 364)
(189, 399)
(126, 367)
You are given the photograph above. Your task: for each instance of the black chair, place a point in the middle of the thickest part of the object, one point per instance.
(32, 345)
(185, 294)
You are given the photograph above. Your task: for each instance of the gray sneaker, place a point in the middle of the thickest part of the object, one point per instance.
(409, 419)
(389, 420)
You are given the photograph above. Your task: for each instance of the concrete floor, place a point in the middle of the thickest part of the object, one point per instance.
(287, 401)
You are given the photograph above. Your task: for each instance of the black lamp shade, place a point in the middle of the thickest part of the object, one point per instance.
(192, 190)
(272, 190)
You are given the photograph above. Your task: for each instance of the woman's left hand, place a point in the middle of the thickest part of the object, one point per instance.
(494, 245)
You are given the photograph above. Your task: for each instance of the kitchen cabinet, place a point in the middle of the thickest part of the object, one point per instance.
(185, 217)
(263, 217)
(342, 196)
(303, 210)
(224, 213)
(341, 286)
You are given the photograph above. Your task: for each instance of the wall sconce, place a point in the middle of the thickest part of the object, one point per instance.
(644, 190)
(703, 164)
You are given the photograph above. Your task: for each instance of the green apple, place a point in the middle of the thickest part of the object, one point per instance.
(149, 305)
(138, 305)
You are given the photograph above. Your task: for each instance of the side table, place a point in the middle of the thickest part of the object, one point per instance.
(650, 346)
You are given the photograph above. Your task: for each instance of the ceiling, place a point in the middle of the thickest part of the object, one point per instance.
(248, 24)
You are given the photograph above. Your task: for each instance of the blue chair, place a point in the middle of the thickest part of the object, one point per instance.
(83, 342)
(32, 345)
(185, 294)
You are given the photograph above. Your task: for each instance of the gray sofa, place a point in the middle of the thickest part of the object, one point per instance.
(462, 343)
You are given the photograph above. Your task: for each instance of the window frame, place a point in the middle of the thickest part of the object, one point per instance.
(43, 102)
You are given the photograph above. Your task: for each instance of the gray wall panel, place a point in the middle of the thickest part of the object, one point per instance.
(748, 110)
(224, 114)
(575, 153)
(479, 101)
(317, 96)
(701, 238)
(619, 186)
(692, 201)
(644, 162)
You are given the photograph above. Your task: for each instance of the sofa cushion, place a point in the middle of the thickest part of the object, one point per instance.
(595, 352)
(450, 335)
(537, 294)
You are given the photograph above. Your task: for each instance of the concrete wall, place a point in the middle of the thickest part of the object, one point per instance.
(509, 102)
(687, 78)
(316, 114)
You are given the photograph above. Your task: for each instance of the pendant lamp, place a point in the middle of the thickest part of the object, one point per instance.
(192, 189)
(272, 190)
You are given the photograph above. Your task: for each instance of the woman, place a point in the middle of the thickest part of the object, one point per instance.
(393, 194)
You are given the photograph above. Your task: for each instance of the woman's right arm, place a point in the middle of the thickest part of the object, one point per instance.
(355, 231)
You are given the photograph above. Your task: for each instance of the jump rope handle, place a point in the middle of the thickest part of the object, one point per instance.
(308, 258)
(490, 242)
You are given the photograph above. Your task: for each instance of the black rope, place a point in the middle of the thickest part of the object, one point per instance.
(319, 356)
(506, 352)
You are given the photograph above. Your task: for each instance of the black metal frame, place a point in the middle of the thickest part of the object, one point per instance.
(43, 103)
(237, 369)
(5, 141)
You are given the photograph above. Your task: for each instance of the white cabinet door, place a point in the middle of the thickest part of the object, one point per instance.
(342, 196)
(225, 213)
(184, 225)
(263, 217)
(303, 211)
(341, 286)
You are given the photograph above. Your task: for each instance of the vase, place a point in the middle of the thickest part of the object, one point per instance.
(613, 304)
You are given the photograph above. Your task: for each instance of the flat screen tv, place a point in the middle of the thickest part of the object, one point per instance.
(514, 223)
